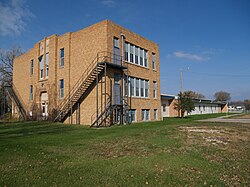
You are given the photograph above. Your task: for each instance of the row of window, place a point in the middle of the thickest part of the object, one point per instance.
(136, 55)
(204, 107)
(145, 115)
(41, 64)
(139, 56)
(140, 88)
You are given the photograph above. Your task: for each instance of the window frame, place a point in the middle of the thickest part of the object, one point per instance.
(153, 61)
(154, 89)
(47, 65)
(61, 88)
(41, 67)
(61, 64)
(31, 93)
(32, 67)
(155, 114)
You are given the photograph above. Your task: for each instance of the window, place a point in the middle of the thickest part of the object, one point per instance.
(145, 115)
(132, 87)
(132, 53)
(62, 57)
(137, 85)
(132, 115)
(155, 114)
(116, 42)
(154, 91)
(41, 67)
(136, 55)
(61, 88)
(146, 88)
(142, 85)
(47, 65)
(145, 58)
(31, 92)
(126, 51)
(204, 108)
(31, 67)
(153, 61)
(164, 107)
(141, 57)
(199, 108)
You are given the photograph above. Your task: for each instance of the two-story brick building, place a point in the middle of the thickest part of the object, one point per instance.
(101, 75)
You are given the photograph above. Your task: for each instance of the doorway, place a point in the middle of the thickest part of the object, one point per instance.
(44, 105)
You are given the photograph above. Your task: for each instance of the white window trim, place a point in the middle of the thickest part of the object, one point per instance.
(144, 51)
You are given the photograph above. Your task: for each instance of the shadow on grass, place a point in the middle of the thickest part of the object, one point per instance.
(21, 129)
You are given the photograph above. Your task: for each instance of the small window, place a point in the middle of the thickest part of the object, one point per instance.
(132, 87)
(145, 114)
(199, 108)
(136, 55)
(132, 115)
(145, 58)
(62, 57)
(126, 51)
(116, 42)
(164, 107)
(146, 88)
(132, 53)
(204, 108)
(142, 85)
(31, 67)
(155, 114)
(137, 87)
(153, 61)
(61, 88)
(41, 62)
(47, 65)
(154, 91)
(141, 57)
(31, 92)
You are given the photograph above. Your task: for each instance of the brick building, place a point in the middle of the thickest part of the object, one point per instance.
(101, 75)
(202, 106)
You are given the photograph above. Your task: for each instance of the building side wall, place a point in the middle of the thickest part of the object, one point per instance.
(139, 71)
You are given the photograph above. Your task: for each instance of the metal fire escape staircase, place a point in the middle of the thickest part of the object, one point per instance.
(80, 88)
(13, 94)
(88, 78)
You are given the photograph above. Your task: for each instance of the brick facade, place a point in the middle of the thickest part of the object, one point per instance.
(80, 49)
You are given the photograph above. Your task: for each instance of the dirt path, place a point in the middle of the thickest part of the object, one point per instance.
(227, 120)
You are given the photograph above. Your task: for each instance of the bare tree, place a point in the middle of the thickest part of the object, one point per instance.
(222, 96)
(6, 64)
(194, 95)
(6, 75)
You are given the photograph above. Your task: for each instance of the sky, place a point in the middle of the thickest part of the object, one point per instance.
(208, 39)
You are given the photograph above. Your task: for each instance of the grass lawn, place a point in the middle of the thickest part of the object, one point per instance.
(173, 152)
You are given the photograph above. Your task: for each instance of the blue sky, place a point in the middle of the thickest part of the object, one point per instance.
(208, 39)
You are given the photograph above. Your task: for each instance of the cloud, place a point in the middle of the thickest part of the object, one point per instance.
(108, 3)
(190, 56)
(13, 17)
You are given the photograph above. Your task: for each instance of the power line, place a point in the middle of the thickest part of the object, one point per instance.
(215, 74)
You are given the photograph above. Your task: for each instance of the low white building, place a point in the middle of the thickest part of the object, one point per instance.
(202, 106)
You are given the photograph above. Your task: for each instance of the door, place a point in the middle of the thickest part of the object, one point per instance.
(44, 104)
(117, 89)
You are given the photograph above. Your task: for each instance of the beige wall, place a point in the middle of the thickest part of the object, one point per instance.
(80, 49)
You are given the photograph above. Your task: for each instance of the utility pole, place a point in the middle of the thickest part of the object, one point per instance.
(180, 80)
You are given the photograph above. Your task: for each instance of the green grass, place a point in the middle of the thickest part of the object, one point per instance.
(166, 153)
